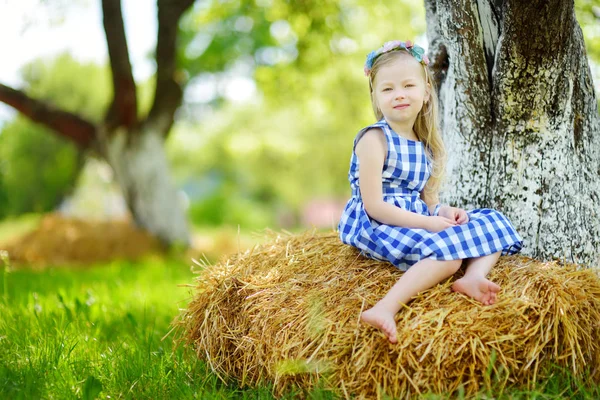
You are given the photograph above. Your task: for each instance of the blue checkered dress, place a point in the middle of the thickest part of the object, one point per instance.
(405, 173)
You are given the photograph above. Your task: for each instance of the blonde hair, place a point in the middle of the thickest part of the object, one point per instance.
(426, 125)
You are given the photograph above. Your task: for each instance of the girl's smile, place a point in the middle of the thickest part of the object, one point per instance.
(399, 91)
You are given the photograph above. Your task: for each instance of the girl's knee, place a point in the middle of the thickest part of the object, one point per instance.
(452, 266)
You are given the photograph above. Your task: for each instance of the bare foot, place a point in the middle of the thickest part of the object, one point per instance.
(479, 288)
(382, 320)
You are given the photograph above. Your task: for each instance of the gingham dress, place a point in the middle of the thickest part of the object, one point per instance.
(405, 173)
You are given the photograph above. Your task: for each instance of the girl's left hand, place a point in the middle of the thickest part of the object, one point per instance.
(455, 214)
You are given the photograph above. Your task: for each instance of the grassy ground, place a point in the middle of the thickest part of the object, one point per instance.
(96, 333)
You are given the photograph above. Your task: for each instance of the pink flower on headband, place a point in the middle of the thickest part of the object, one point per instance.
(388, 46)
(416, 51)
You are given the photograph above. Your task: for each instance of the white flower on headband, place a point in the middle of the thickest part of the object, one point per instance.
(416, 51)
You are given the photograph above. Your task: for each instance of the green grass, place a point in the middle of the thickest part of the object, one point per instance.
(96, 332)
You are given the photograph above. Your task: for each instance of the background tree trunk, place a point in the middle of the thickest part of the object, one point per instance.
(133, 148)
(141, 168)
(520, 119)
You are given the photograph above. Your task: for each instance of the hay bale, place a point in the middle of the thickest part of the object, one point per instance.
(287, 312)
(60, 240)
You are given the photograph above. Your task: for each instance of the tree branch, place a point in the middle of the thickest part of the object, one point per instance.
(64, 123)
(123, 109)
(168, 93)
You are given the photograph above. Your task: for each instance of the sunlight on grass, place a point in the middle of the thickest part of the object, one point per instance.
(96, 332)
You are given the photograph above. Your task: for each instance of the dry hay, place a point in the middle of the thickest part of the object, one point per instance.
(69, 241)
(212, 244)
(287, 313)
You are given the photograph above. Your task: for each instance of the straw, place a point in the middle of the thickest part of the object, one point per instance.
(287, 313)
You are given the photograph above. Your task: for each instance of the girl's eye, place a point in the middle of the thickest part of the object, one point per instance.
(387, 89)
(410, 85)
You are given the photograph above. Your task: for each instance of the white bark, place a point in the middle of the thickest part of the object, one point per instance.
(520, 120)
(141, 169)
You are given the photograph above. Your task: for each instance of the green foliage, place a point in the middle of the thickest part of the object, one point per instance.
(292, 143)
(217, 34)
(226, 207)
(38, 168)
(64, 82)
(588, 16)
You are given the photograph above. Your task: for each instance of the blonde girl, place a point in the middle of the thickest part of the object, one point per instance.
(394, 214)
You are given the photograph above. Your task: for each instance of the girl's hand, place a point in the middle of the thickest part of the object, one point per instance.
(455, 214)
(438, 224)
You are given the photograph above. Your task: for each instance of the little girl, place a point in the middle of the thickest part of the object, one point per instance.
(395, 173)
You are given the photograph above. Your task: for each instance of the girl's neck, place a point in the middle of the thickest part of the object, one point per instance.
(404, 130)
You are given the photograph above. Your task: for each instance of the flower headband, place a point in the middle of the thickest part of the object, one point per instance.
(415, 50)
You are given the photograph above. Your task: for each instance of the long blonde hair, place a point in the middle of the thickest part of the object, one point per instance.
(426, 125)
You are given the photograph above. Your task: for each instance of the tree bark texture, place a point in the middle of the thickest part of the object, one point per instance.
(520, 119)
(134, 148)
(142, 171)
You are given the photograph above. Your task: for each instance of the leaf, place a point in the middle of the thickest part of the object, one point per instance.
(91, 388)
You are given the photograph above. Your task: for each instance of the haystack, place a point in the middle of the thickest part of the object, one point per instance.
(287, 313)
(59, 240)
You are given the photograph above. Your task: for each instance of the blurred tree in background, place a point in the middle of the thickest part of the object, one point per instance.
(588, 15)
(274, 94)
(291, 141)
(38, 168)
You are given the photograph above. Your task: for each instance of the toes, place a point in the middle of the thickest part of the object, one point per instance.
(486, 298)
(392, 337)
(493, 287)
(390, 331)
(489, 298)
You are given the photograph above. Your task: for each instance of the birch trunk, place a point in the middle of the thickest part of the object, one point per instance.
(141, 168)
(520, 119)
(133, 147)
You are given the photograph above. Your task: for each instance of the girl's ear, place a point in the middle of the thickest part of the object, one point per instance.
(427, 92)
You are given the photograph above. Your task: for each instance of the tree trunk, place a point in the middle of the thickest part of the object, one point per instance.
(133, 148)
(520, 119)
(141, 168)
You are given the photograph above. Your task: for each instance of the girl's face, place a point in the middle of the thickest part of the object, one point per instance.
(400, 89)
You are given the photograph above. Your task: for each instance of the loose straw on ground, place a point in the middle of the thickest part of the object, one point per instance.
(287, 313)
(60, 240)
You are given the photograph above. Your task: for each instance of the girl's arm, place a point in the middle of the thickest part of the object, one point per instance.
(431, 199)
(371, 150)
(455, 214)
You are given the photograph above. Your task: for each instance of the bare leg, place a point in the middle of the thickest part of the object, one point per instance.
(421, 276)
(475, 284)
